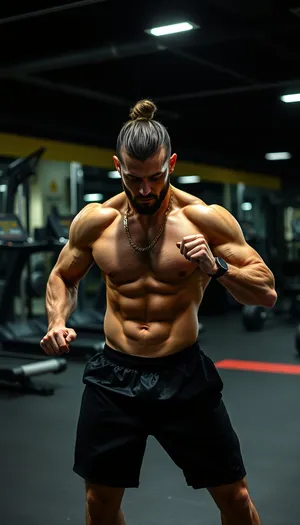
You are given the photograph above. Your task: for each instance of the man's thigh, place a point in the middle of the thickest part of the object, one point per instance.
(110, 441)
(200, 439)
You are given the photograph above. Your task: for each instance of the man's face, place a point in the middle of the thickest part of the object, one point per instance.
(146, 183)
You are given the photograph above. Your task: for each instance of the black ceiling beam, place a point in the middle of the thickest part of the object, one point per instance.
(48, 11)
(72, 90)
(212, 65)
(229, 91)
(90, 56)
(85, 93)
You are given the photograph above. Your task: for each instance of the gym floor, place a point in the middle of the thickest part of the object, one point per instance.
(37, 434)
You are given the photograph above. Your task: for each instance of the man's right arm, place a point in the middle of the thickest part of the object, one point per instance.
(74, 262)
(72, 265)
(62, 287)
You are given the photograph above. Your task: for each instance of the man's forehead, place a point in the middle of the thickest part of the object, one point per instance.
(151, 165)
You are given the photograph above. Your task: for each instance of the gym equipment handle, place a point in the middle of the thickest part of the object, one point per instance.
(53, 366)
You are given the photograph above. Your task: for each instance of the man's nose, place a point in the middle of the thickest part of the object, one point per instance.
(145, 188)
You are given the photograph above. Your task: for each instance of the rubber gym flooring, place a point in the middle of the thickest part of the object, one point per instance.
(38, 487)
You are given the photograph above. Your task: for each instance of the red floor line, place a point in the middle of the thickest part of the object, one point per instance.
(258, 366)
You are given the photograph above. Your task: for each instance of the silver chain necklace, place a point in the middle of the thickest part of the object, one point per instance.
(154, 241)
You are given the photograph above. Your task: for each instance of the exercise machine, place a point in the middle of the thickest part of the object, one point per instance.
(22, 331)
(25, 333)
(20, 375)
(18, 369)
(284, 261)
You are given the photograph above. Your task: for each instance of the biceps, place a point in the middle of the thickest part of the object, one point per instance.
(237, 254)
(73, 264)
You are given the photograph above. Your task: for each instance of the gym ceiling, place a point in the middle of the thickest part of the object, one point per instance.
(70, 71)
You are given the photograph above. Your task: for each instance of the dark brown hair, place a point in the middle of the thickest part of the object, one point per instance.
(142, 136)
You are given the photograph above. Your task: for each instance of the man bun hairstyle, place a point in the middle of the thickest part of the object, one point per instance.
(143, 110)
(142, 136)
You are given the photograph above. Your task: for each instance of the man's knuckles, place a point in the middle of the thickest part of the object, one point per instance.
(191, 237)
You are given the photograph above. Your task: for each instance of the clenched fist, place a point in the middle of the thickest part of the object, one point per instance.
(195, 249)
(57, 340)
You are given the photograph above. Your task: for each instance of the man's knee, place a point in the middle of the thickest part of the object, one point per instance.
(103, 504)
(240, 500)
(233, 499)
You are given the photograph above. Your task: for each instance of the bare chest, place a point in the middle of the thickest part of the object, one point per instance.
(123, 264)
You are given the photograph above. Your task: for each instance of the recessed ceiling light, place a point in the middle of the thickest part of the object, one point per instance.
(171, 29)
(189, 179)
(278, 155)
(294, 97)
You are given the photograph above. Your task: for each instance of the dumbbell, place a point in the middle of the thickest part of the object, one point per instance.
(254, 317)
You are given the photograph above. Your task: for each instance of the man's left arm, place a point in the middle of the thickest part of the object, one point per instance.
(248, 279)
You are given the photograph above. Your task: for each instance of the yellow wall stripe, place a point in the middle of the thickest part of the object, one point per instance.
(16, 145)
(226, 175)
(19, 146)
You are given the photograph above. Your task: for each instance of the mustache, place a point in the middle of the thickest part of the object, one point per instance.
(147, 198)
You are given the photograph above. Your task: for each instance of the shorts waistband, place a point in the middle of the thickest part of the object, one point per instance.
(134, 361)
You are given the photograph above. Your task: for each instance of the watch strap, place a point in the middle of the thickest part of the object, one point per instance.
(221, 271)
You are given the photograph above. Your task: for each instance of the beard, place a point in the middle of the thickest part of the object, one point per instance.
(147, 208)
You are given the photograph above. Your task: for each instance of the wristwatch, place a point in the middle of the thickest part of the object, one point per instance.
(222, 268)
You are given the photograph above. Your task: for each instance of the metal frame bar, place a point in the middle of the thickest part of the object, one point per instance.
(85, 93)
(229, 91)
(48, 11)
(90, 56)
(212, 65)
(71, 90)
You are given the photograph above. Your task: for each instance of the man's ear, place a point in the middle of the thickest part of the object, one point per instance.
(117, 163)
(172, 162)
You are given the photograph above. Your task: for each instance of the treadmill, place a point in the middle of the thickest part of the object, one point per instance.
(26, 334)
(85, 320)
(19, 374)
(16, 248)
(15, 244)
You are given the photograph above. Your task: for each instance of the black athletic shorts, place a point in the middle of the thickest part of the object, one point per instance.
(177, 399)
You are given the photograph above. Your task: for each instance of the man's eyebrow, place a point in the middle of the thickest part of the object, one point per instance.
(154, 174)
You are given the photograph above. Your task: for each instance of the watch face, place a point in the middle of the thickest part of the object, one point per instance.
(222, 264)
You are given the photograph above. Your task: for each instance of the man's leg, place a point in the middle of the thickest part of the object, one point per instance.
(120, 520)
(235, 504)
(110, 445)
(103, 505)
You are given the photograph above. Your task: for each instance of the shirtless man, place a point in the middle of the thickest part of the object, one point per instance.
(158, 248)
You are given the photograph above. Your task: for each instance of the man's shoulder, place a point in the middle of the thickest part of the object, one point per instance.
(95, 214)
(212, 220)
(199, 210)
(90, 223)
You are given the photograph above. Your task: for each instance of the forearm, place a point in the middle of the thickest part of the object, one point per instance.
(61, 300)
(252, 285)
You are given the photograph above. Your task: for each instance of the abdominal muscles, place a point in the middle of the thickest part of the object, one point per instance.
(150, 318)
